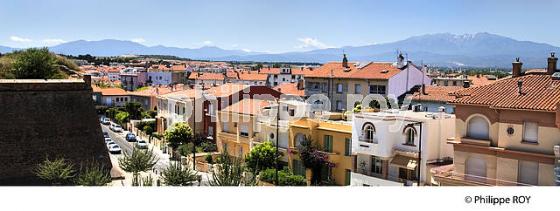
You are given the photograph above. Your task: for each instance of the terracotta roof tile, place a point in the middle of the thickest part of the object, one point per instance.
(436, 94)
(539, 92)
(290, 89)
(247, 106)
(226, 89)
(112, 91)
(373, 70)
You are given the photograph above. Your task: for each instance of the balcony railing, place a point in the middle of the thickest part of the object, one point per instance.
(368, 140)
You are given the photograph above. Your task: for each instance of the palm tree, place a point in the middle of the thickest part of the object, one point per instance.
(138, 161)
(177, 175)
(57, 172)
(230, 171)
(93, 174)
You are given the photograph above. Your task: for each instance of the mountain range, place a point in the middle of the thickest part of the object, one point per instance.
(443, 49)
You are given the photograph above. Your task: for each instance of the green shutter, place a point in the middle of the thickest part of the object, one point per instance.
(327, 143)
(347, 179)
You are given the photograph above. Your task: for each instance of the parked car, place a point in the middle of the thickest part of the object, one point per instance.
(141, 144)
(110, 143)
(130, 137)
(105, 121)
(105, 134)
(114, 149)
(116, 128)
(107, 140)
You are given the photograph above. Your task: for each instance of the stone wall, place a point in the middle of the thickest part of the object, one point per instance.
(46, 118)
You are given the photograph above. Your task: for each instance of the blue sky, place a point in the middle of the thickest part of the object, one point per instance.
(269, 26)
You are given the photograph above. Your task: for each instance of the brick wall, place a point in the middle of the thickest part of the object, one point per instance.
(40, 118)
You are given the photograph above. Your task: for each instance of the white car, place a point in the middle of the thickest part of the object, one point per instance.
(111, 143)
(107, 140)
(114, 149)
(141, 144)
(117, 128)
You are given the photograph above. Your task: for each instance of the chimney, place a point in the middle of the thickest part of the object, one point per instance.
(345, 62)
(87, 79)
(551, 64)
(516, 70)
(424, 89)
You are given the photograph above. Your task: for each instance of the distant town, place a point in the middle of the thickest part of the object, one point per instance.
(166, 121)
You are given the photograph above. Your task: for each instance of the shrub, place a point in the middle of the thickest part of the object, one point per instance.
(57, 172)
(261, 157)
(208, 146)
(285, 177)
(93, 174)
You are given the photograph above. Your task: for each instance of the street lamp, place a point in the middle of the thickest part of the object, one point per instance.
(277, 137)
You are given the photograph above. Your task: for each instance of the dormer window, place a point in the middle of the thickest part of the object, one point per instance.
(410, 136)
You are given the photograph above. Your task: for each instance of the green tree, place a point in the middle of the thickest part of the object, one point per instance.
(93, 174)
(134, 109)
(179, 134)
(177, 175)
(56, 172)
(262, 156)
(122, 117)
(313, 159)
(36, 63)
(230, 171)
(136, 162)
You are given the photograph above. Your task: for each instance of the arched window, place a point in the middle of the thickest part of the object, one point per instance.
(299, 138)
(410, 135)
(477, 128)
(368, 132)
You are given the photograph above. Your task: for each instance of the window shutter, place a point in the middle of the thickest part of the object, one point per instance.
(347, 148)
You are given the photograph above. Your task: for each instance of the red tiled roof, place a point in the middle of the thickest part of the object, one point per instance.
(112, 91)
(207, 76)
(269, 70)
(436, 93)
(226, 89)
(290, 89)
(372, 70)
(252, 76)
(539, 92)
(247, 106)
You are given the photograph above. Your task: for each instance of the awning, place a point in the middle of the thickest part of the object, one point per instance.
(405, 162)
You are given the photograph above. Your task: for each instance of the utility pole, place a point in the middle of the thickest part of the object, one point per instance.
(277, 137)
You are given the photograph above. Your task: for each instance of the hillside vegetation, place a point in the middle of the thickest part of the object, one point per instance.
(35, 63)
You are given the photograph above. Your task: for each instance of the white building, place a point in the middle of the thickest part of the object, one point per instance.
(387, 146)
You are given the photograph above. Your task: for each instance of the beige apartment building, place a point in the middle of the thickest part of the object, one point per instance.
(337, 80)
(506, 132)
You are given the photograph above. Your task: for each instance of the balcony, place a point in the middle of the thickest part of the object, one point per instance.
(358, 179)
(366, 140)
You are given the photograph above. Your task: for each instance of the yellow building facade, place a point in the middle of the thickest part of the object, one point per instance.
(333, 137)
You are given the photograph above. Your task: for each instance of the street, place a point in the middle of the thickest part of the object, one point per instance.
(163, 159)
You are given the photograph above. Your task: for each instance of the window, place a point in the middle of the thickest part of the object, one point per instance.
(225, 127)
(368, 133)
(477, 128)
(339, 88)
(244, 130)
(339, 105)
(210, 131)
(328, 143)
(347, 147)
(410, 136)
(325, 87)
(347, 177)
(299, 139)
(377, 89)
(326, 172)
(530, 132)
(475, 169)
(376, 165)
(357, 88)
(528, 173)
(407, 174)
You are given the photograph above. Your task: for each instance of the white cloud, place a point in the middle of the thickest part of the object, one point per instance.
(20, 39)
(207, 43)
(138, 40)
(308, 42)
(246, 50)
(53, 41)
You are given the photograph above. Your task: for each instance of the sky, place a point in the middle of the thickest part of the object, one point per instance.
(271, 26)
